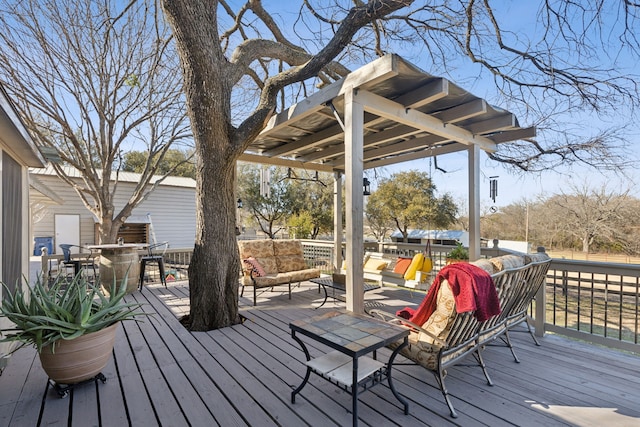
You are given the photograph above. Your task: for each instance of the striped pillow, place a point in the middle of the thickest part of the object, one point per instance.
(252, 264)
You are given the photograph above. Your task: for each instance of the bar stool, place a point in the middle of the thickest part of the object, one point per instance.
(150, 258)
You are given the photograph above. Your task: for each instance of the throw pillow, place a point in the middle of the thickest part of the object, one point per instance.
(253, 264)
(402, 264)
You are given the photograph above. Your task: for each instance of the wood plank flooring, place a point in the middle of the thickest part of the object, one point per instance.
(161, 374)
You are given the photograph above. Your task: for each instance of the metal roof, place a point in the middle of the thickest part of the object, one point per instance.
(409, 114)
(433, 234)
(133, 177)
(14, 134)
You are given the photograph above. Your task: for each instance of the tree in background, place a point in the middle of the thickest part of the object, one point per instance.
(93, 80)
(592, 215)
(312, 198)
(380, 225)
(300, 225)
(229, 53)
(268, 210)
(408, 200)
(175, 163)
(582, 218)
(304, 202)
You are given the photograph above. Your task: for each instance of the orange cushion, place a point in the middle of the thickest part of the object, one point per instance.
(402, 264)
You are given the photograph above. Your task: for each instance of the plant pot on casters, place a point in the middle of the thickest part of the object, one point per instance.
(72, 325)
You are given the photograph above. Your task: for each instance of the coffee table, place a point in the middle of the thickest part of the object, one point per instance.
(327, 282)
(351, 336)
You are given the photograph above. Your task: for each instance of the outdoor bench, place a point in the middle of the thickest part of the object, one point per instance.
(267, 263)
(447, 337)
(381, 268)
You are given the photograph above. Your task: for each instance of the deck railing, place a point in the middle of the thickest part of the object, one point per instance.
(594, 301)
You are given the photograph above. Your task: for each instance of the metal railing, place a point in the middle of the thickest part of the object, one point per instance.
(594, 301)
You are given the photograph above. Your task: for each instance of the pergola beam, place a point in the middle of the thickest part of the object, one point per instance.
(427, 152)
(379, 70)
(289, 163)
(391, 110)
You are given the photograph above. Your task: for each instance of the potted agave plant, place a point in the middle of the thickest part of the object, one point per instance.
(72, 324)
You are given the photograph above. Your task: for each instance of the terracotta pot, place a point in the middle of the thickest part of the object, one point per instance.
(455, 260)
(79, 359)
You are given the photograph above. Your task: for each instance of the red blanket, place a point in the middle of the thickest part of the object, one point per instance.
(472, 288)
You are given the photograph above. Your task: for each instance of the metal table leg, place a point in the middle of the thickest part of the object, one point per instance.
(306, 377)
(405, 342)
(324, 288)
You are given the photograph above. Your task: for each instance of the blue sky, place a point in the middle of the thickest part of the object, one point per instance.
(520, 25)
(521, 19)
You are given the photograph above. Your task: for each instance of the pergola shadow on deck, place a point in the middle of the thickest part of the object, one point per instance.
(161, 374)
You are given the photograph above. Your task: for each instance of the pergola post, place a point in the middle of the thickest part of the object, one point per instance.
(474, 202)
(337, 221)
(353, 146)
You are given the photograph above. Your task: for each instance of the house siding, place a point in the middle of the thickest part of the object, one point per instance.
(17, 148)
(172, 209)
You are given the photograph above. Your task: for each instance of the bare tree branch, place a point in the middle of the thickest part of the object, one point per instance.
(92, 80)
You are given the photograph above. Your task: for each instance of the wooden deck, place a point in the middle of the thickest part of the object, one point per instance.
(162, 374)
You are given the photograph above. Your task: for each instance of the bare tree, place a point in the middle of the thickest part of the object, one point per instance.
(589, 214)
(94, 80)
(538, 74)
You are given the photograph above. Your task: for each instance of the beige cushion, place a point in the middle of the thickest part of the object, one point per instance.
(485, 264)
(290, 263)
(375, 264)
(255, 248)
(287, 247)
(536, 257)
(439, 323)
(507, 261)
(269, 264)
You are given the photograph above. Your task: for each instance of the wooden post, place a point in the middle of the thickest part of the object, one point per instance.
(337, 222)
(353, 146)
(474, 202)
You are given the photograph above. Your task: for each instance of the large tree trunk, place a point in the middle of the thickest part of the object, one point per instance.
(215, 265)
(214, 268)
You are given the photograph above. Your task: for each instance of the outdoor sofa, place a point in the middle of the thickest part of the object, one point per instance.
(268, 263)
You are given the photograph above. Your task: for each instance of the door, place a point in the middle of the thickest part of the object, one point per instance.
(67, 231)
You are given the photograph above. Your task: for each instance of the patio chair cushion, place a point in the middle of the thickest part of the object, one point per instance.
(256, 248)
(416, 264)
(507, 261)
(535, 257)
(375, 264)
(288, 263)
(422, 349)
(486, 265)
(287, 247)
(402, 265)
(439, 323)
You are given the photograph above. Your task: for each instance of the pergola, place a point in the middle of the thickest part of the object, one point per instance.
(386, 112)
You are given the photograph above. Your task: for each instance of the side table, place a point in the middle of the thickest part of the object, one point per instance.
(352, 336)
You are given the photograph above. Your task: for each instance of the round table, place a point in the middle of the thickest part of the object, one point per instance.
(116, 261)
